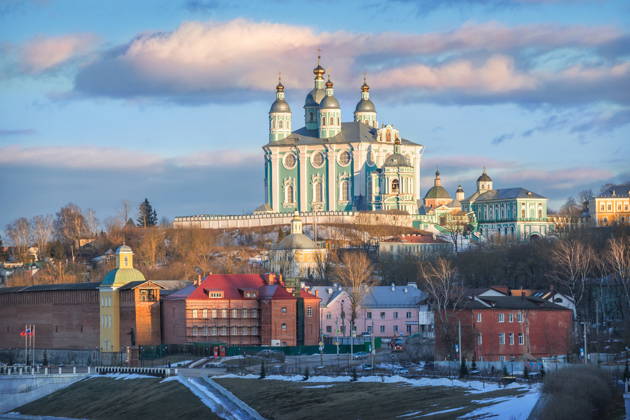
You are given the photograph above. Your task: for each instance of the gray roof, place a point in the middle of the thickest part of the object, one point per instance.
(365, 105)
(484, 177)
(280, 105)
(296, 241)
(326, 293)
(172, 284)
(511, 302)
(397, 159)
(621, 190)
(180, 294)
(437, 191)
(51, 287)
(508, 193)
(314, 97)
(350, 132)
(393, 296)
(329, 102)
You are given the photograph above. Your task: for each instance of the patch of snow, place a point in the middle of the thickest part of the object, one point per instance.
(413, 413)
(210, 400)
(516, 407)
(319, 386)
(169, 379)
(123, 376)
(434, 413)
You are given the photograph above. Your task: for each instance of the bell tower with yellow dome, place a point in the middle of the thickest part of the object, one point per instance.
(109, 304)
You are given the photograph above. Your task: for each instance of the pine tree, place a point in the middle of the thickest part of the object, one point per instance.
(147, 216)
(306, 374)
(355, 377)
(463, 369)
(263, 372)
(505, 372)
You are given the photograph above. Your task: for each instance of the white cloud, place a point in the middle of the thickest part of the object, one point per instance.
(45, 53)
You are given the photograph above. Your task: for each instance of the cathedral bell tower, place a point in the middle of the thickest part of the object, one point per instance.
(329, 113)
(313, 98)
(365, 111)
(279, 116)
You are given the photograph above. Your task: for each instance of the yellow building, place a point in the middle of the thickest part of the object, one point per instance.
(612, 206)
(109, 298)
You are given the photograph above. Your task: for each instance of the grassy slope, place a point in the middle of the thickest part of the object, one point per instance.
(134, 399)
(294, 400)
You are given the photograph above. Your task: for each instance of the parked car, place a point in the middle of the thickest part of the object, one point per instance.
(360, 355)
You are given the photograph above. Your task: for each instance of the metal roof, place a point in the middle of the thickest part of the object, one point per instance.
(508, 193)
(51, 287)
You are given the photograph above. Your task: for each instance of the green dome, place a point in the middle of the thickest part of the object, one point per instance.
(122, 276)
(437, 192)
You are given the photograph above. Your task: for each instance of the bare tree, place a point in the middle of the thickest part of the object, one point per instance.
(124, 213)
(42, 228)
(570, 208)
(19, 231)
(573, 261)
(91, 222)
(456, 228)
(617, 259)
(355, 274)
(439, 279)
(70, 226)
(324, 264)
(151, 245)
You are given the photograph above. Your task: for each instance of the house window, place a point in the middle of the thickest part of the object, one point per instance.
(194, 313)
(501, 358)
(223, 331)
(521, 339)
(288, 194)
(224, 313)
(204, 313)
(510, 317)
(479, 339)
(283, 309)
(501, 338)
(369, 315)
(501, 317)
(382, 315)
(244, 313)
(213, 313)
(213, 331)
(395, 315)
(408, 329)
(205, 331)
(478, 316)
(344, 190)
(329, 315)
(309, 311)
(324, 121)
(382, 328)
(519, 316)
(244, 331)
(254, 330)
(408, 315)
(328, 329)
(512, 338)
(234, 313)
(369, 329)
(253, 313)
(283, 326)
(395, 329)
(217, 294)
(234, 330)
(317, 187)
(194, 331)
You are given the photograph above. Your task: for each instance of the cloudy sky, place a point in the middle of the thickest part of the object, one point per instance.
(120, 100)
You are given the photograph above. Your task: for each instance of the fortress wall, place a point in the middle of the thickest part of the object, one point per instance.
(278, 219)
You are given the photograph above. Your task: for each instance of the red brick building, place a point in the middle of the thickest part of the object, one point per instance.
(503, 328)
(241, 309)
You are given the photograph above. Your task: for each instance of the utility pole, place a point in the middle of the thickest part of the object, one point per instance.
(585, 345)
(459, 337)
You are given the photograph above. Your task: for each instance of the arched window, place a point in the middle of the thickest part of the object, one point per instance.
(540, 213)
(395, 183)
(338, 121)
(388, 136)
(323, 120)
(331, 120)
(317, 192)
(345, 190)
(288, 194)
(310, 117)
(280, 124)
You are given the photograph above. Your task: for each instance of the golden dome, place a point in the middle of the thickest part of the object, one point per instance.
(319, 70)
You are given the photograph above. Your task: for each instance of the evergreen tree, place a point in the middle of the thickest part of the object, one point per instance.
(147, 216)
(525, 372)
(505, 372)
(263, 372)
(355, 377)
(463, 369)
(306, 374)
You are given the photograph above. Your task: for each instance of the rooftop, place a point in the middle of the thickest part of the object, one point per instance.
(508, 193)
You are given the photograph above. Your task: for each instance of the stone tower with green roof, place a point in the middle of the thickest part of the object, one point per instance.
(123, 274)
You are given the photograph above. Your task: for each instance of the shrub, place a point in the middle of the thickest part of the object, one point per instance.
(305, 375)
(355, 377)
(525, 372)
(577, 392)
(463, 369)
(263, 373)
(505, 372)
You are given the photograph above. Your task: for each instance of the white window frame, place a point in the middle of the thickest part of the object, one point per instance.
(501, 317)
(521, 339)
(501, 338)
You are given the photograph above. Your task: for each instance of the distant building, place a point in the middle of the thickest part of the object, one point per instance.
(416, 245)
(242, 309)
(509, 213)
(296, 255)
(612, 206)
(505, 328)
(386, 311)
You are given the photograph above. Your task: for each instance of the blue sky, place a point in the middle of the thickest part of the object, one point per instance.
(108, 101)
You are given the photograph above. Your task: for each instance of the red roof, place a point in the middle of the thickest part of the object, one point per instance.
(416, 239)
(229, 283)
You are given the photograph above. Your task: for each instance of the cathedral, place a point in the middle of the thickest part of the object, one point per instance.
(331, 165)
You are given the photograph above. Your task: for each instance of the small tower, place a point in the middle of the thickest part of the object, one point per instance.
(329, 113)
(484, 182)
(296, 224)
(459, 194)
(313, 98)
(437, 182)
(279, 116)
(365, 111)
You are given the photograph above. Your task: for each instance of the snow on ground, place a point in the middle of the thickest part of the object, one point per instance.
(123, 376)
(516, 408)
(177, 364)
(319, 386)
(205, 396)
(471, 386)
(442, 411)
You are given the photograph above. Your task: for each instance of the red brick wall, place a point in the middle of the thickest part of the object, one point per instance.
(224, 325)
(546, 333)
(173, 321)
(66, 319)
(279, 317)
(311, 323)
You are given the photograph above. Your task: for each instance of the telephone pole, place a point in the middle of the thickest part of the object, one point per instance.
(459, 337)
